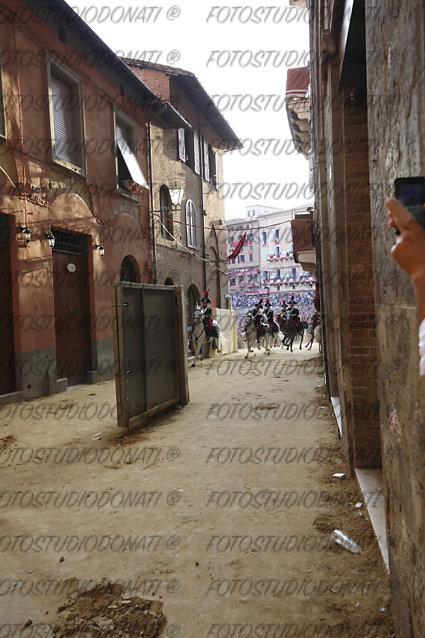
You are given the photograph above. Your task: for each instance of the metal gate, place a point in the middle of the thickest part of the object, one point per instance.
(150, 351)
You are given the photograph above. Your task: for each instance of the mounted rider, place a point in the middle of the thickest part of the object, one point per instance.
(268, 312)
(292, 312)
(206, 312)
(258, 316)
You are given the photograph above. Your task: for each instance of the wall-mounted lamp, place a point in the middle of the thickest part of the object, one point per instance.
(100, 248)
(50, 238)
(25, 231)
(176, 195)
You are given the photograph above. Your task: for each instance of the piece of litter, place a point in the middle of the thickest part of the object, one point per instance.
(339, 475)
(358, 504)
(112, 606)
(125, 602)
(383, 610)
(345, 541)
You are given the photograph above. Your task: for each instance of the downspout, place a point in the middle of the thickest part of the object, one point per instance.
(203, 213)
(151, 207)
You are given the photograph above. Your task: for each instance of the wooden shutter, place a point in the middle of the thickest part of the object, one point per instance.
(129, 157)
(191, 224)
(67, 142)
(196, 153)
(206, 160)
(182, 145)
(216, 169)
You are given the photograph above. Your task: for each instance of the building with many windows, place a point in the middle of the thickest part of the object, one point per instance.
(187, 209)
(74, 180)
(266, 263)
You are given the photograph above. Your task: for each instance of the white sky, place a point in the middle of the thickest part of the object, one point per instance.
(185, 34)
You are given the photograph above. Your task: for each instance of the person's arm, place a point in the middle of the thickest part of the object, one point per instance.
(409, 249)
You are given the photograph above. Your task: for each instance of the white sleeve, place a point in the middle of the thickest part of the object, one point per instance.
(422, 347)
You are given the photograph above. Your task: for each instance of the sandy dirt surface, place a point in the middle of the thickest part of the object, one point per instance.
(213, 522)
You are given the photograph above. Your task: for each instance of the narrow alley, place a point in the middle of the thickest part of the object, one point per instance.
(220, 513)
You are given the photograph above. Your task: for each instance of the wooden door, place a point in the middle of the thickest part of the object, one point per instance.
(72, 311)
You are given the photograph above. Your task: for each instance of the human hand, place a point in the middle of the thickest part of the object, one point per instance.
(409, 249)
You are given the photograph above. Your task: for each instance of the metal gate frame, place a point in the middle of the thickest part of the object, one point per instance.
(127, 416)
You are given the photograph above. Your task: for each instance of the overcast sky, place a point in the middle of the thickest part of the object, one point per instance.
(240, 54)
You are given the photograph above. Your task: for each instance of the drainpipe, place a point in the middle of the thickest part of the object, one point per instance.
(201, 157)
(151, 207)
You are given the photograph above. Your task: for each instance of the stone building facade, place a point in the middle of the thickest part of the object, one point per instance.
(73, 167)
(266, 264)
(367, 92)
(189, 239)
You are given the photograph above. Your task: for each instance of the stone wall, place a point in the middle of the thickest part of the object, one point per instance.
(396, 85)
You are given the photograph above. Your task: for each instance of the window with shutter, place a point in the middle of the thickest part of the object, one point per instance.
(130, 174)
(191, 224)
(216, 179)
(182, 145)
(66, 112)
(196, 152)
(206, 159)
(166, 213)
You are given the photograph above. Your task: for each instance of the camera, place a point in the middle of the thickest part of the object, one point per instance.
(410, 191)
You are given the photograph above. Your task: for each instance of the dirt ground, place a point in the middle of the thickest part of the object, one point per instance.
(212, 522)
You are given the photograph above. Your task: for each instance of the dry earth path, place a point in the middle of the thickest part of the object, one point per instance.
(213, 522)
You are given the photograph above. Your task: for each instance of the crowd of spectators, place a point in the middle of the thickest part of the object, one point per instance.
(243, 302)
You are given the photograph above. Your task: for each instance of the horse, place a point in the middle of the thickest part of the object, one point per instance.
(291, 330)
(315, 332)
(318, 336)
(250, 330)
(199, 335)
(250, 333)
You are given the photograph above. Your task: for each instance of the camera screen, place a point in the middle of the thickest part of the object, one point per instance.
(412, 193)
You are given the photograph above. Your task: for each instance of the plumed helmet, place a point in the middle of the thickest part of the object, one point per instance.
(205, 297)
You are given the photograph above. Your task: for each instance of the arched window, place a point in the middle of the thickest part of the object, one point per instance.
(128, 270)
(166, 213)
(191, 224)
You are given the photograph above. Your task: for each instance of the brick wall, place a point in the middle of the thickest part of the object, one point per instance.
(361, 310)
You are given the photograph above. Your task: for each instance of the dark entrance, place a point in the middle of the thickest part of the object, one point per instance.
(72, 311)
(7, 356)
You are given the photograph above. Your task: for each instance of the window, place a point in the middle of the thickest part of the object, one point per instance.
(251, 257)
(276, 235)
(264, 237)
(191, 224)
(241, 259)
(130, 176)
(210, 164)
(277, 250)
(233, 282)
(189, 149)
(166, 213)
(66, 117)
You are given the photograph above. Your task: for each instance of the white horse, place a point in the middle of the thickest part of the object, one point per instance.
(318, 336)
(251, 334)
(199, 335)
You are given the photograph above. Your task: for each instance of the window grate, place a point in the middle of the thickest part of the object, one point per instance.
(67, 242)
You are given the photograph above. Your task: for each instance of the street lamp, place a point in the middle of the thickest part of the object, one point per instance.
(25, 231)
(176, 195)
(50, 238)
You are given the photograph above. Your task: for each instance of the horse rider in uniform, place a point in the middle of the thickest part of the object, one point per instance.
(293, 312)
(206, 312)
(257, 316)
(268, 312)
